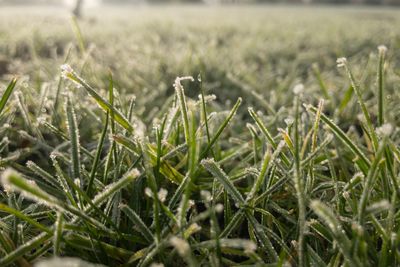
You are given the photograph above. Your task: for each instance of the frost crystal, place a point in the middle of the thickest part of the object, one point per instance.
(41, 120)
(341, 62)
(5, 180)
(148, 192)
(385, 130)
(206, 195)
(68, 73)
(194, 228)
(162, 194)
(219, 208)
(179, 79)
(250, 247)
(289, 121)
(181, 245)
(298, 89)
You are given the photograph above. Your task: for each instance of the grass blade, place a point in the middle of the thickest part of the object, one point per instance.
(326, 214)
(142, 228)
(58, 233)
(69, 73)
(23, 249)
(221, 176)
(74, 137)
(381, 84)
(180, 93)
(24, 217)
(364, 162)
(342, 62)
(97, 156)
(221, 128)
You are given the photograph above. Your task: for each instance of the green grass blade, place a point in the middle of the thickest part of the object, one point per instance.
(78, 34)
(74, 137)
(204, 110)
(364, 161)
(43, 174)
(69, 73)
(221, 176)
(326, 214)
(180, 93)
(114, 187)
(221, 128)
(357, 90)
(299, 183)
(261, 177)
(370, 179)
(13, 180)
(381, 84)
(142, 228)
(24, 217)
(322, 85)
(23, 249)
(58, 233)
(7, 93)
(97, 157)
(262, 127)
(262, 236)
(266, 133)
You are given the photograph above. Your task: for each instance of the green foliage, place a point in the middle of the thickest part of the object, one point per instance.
(137, 170)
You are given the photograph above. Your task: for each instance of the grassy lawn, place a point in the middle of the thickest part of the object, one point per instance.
(200, 136)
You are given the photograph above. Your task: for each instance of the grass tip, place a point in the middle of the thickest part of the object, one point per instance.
(134, 173)
(148, 192)
(341, 62)
(162, 194)
(6, 177)
(66, 70)
(207, 161)
(30, 163)
(122, 205)
(382, 49)
(298, 89)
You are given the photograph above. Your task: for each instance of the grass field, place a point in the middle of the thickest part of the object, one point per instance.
(200, 136)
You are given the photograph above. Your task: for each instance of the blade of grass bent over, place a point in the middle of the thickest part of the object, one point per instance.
(69, 73)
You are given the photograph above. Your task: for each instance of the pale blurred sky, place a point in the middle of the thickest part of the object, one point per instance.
(87, 2)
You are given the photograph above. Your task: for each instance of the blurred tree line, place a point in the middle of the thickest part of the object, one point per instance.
(372, 2)
(80, 2)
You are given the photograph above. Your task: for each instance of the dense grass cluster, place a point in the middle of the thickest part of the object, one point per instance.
(275, 151)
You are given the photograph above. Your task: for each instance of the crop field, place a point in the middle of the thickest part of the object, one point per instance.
(200, 136)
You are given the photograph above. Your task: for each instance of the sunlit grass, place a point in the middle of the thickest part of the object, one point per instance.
(268, 154)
